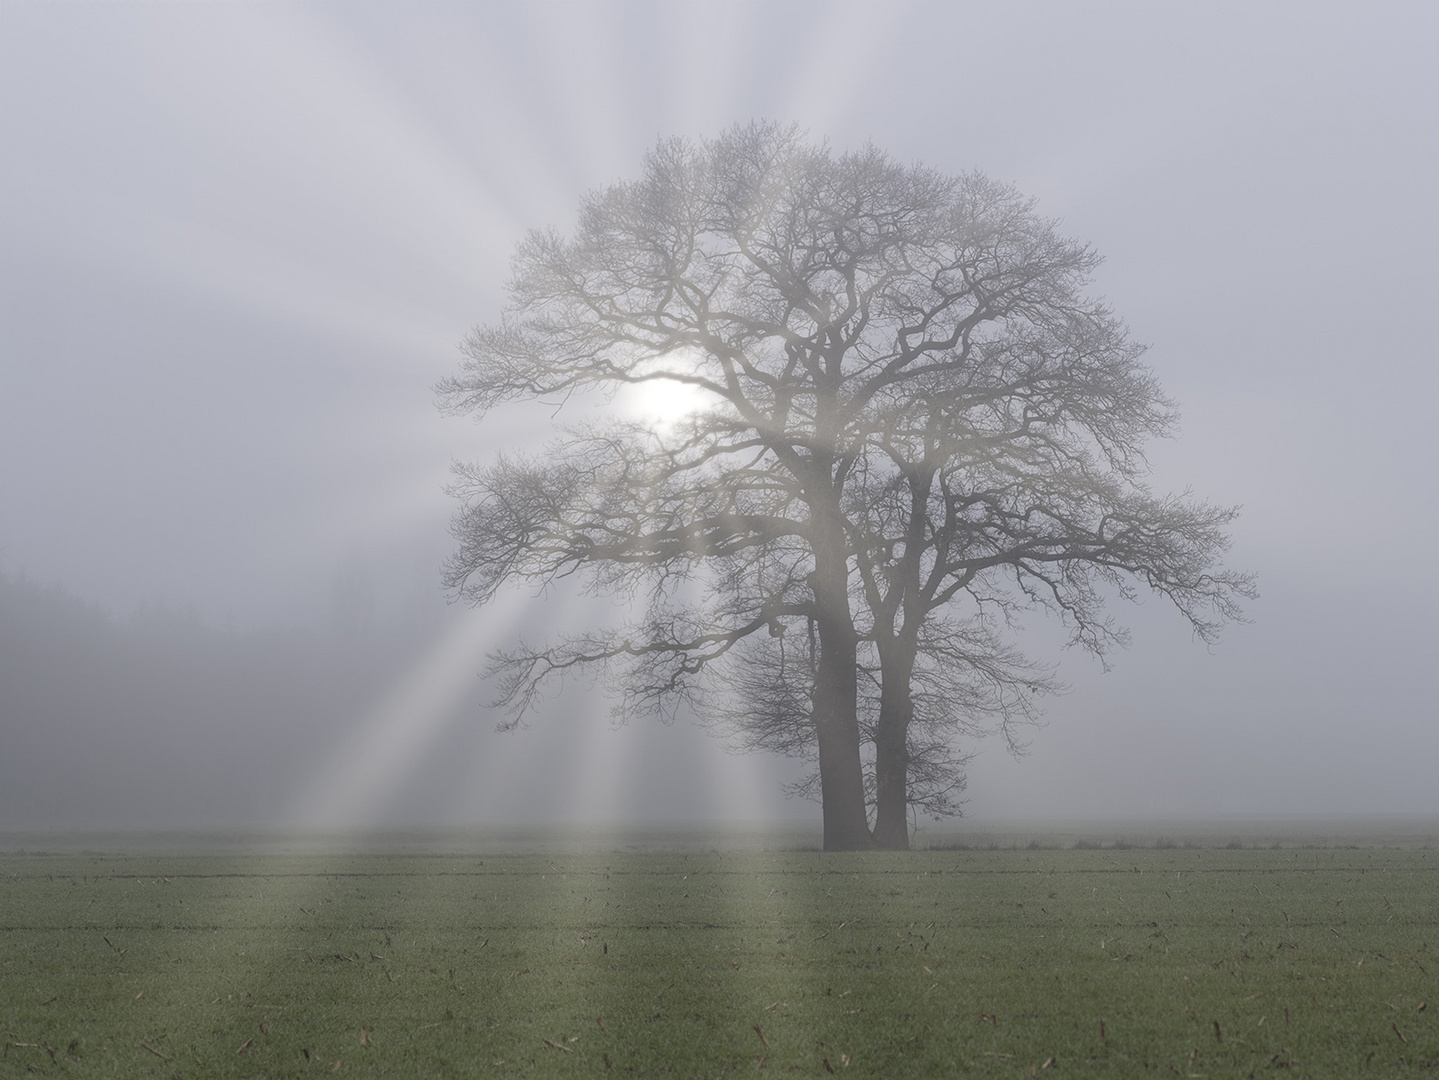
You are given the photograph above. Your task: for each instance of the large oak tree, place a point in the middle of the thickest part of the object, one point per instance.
(918, 424)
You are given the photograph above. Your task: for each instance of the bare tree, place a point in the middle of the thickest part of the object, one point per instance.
(1029, 516)
(914, 405)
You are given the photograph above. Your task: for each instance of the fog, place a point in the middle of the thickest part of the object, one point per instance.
(240, 243)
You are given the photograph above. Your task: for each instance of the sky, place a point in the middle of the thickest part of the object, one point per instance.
(240, 242)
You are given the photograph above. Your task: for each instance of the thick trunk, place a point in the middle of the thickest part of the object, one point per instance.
(891, 745)
(836, 711)
(841, 778)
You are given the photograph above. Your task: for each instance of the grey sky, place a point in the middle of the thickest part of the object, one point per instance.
(240, 242)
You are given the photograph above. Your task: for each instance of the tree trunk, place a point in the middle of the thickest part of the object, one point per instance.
(841, 778)
(891, 745)
(898, 649)
(845, 825)
(836, 709)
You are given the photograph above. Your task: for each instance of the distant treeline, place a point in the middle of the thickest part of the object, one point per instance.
(163, 720)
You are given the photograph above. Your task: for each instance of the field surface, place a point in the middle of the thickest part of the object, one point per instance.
(1010, 963)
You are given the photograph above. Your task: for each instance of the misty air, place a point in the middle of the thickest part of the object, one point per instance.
(841, 538)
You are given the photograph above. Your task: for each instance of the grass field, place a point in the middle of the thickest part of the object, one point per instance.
(1010, 963)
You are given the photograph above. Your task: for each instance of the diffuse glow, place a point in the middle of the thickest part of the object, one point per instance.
(382, 754)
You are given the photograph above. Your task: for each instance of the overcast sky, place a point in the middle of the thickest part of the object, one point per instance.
(239, 243)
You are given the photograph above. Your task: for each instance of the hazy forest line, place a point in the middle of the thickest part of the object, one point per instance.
(162, 719)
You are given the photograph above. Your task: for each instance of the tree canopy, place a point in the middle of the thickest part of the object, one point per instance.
(918, 425)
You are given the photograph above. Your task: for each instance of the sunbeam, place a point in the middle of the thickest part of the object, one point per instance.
(420, 207)
(358, 782)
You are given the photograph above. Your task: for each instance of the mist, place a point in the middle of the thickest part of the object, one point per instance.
(241, 244)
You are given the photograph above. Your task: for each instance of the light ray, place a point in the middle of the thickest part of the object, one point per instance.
(360, 779)
(416, 203)
(705, 84)
(837, 63)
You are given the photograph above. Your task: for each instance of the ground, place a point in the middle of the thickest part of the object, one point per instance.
(1081, 962)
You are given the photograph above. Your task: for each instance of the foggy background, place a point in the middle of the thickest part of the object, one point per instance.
(240, 242)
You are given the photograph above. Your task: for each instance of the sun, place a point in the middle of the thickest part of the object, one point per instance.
(663, 403)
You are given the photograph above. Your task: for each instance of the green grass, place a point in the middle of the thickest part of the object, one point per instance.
(945, 963)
